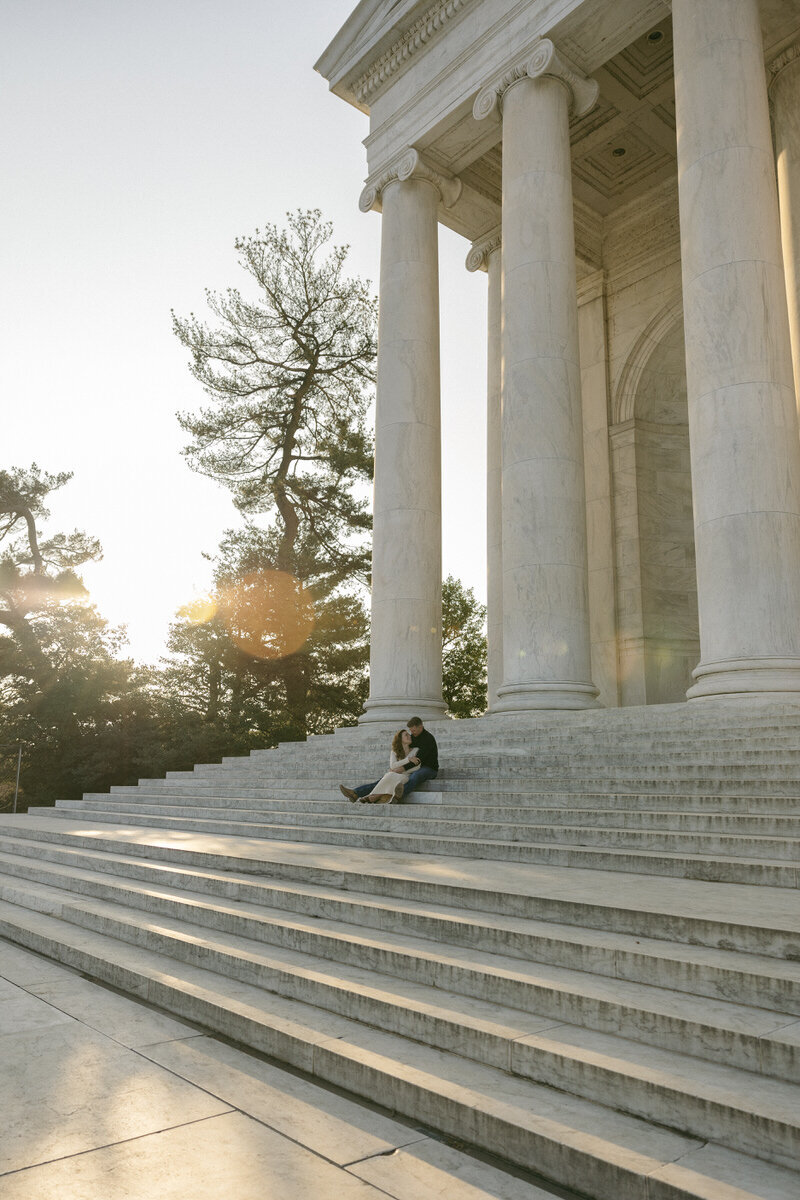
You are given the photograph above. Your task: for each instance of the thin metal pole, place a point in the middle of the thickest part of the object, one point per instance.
(19, 764)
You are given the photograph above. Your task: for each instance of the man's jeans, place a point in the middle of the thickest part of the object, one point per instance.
(416, 778)
(413, 780)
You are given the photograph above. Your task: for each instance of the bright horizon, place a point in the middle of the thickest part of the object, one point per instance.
(141, 142)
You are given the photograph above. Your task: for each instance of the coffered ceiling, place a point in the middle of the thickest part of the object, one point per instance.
(626, 144)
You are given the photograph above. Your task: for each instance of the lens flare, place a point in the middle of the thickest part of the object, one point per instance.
(268, 614)
(199, 611)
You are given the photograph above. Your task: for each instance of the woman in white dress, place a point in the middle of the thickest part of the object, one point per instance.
(390, 787)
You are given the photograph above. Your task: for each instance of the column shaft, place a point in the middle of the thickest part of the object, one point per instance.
(546, 647)
(785, 92)
(494, 481)
(742, 417)
(406, 640)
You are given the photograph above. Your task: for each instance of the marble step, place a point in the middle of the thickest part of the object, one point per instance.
(658, 834)
(742, 919)
(747, 979)
(742, 755)
(756, 1040)
(685, 862)
(509, 766)
(565, 1138)
(526, 765)
(287, 810)
(732, 1106)
(465, 794)
(511, 781)
(744, 748)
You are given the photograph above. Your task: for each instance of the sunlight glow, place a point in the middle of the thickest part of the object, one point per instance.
(268, 614)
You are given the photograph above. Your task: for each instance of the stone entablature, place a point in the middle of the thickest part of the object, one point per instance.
(417, 36)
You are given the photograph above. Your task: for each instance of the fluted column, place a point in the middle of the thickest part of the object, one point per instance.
(742, 416)
(486, 255)
(406, 638)
(546, 641)
(785, 94)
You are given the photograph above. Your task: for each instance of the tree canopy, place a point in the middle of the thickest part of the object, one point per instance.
(463, 650)
(289, 372)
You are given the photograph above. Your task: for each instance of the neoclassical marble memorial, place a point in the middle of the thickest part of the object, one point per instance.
(627, 174)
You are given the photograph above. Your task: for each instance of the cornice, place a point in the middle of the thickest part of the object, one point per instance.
(410, 164)
(541, 59)
(415, 37)
(482, 249)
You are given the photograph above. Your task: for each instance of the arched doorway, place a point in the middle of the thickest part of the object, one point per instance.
(659, 642)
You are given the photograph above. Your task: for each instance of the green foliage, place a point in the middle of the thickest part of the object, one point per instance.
(463, 650)
(217, 671)
(62, 684)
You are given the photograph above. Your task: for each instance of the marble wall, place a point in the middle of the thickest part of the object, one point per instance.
(642, 577)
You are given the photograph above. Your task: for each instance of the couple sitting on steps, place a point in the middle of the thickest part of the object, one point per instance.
(414, 758)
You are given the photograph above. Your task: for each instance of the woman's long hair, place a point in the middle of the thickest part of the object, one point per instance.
(397, 743)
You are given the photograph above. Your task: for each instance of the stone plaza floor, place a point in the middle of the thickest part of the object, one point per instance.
(106, 1098)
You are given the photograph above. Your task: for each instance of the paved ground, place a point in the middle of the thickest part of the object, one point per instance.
(105, 1098)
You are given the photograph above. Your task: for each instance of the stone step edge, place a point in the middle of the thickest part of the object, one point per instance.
(744, 975)
(239, 955)
(425, 795)
(363, 815)
(455, 813)
(666, 861)
(703, 931)
(566, 1155)
(750, 872)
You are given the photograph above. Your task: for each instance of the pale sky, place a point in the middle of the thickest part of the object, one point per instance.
(139, 139)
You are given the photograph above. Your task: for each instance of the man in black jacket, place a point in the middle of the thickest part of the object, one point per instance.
(424, 748)
(425, 759)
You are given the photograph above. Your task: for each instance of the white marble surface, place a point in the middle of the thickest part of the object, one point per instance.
(494, 478)
(546, 640)
(785, 95)
(742, 415)
(405, 650)
(599, 512)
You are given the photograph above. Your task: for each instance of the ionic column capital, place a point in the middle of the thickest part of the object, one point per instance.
(541, 59)
(411, 164)
(482, 249)
(786, 59)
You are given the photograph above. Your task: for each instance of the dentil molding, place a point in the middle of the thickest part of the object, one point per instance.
(411, 164)
(543, 59)
(423, 29)
(482, 249)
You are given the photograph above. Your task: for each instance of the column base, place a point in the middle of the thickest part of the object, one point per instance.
(746, 677)
(533, 697)
(396, 711)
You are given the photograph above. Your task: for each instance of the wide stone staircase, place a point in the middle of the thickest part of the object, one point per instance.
(578, 949)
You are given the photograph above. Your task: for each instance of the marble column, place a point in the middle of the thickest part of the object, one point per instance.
(406, 638)
(742, 417)
(486, 255)
(785, 95)
(546, 640)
